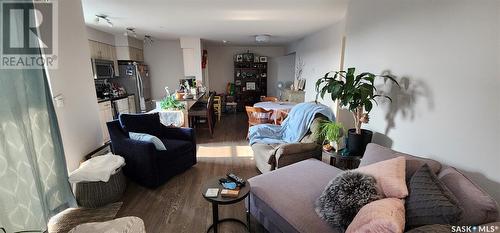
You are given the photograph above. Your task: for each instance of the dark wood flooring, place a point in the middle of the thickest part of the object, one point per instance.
(178, 206)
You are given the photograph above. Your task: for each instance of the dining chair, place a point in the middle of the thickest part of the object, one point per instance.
(258, 116)
(218, 106)
(270, 99)
(204, 112)
(281, 115)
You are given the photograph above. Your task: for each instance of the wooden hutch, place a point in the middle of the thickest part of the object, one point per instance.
(250, 79)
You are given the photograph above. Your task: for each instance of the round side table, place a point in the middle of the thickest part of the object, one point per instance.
(216, 201)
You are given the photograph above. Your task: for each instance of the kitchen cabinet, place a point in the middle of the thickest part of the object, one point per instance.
(105, 115)
(131, 104)
(121, 106)
(103, 51)
(130, 53)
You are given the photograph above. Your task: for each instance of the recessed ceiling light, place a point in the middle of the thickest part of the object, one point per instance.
(261, 39)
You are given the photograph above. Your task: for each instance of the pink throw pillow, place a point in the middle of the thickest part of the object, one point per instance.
(390, 176)
(381, 216)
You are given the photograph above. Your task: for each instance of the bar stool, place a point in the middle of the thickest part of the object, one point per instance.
(218, 106)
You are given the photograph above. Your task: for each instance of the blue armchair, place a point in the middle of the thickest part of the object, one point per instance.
(144, 164)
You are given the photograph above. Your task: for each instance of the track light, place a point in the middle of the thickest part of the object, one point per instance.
(148, 40)
(99, 18)
(130, 32)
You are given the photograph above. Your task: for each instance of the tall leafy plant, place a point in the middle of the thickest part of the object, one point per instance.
(354, 92)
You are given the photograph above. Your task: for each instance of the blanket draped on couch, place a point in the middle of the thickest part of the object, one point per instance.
(293, 128)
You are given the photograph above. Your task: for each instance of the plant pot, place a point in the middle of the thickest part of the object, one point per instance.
(356, 143)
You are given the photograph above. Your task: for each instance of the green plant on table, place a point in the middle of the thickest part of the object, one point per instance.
(332, 131)
(171, 103)
(355, 92)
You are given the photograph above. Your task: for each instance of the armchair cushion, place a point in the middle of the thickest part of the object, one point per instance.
(176, 148)
(148, 138)
(142, 123)
(314, 134)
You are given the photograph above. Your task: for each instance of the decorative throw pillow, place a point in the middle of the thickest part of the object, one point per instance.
(478, 207)
(429, 201)
(148, 138)
(344, 196)
(382, 216)
(390, 176)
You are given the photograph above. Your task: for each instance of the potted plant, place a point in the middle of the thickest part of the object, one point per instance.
(171, 103)
(356, 93)
(332, 132)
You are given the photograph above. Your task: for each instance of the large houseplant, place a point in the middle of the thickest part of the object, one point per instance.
(356, 93)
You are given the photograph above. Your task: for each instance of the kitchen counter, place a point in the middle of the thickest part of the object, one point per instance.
(188, 102)
(100, 100)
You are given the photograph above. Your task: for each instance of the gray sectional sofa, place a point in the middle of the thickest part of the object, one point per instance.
(283, 200)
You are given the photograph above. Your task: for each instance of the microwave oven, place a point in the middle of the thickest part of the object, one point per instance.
(103, 69)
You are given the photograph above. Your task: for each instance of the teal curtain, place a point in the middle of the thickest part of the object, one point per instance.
(33, 175)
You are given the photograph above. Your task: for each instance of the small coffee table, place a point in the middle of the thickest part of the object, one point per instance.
(216, 201)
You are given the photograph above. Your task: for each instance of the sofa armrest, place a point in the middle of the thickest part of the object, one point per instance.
(289, 153)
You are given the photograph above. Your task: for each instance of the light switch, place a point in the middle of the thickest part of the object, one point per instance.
(59, 100)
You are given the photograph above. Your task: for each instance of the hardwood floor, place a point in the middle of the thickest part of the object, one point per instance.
(177, 206)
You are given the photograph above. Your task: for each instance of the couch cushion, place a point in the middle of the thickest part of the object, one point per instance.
(478, 206)
(382, 216)
(390, 176)
(291, 192)
(141, 123)
(314, 130)
(376, 153)
(344, 196)
(429, 201)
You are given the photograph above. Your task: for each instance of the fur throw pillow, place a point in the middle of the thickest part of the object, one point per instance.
(344, 196)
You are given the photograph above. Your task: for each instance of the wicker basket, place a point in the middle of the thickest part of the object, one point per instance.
(98, 193)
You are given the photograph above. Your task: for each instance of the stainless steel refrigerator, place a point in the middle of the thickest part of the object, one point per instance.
(134, 77)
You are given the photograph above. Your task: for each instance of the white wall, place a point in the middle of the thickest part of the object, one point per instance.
(448, 51)
(282, 69)
(79, 118)
(321, 52)
(221, 66)
(164, 58)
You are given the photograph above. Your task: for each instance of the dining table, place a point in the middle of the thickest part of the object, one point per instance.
(276, 107)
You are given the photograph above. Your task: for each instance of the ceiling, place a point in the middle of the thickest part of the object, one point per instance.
(236, 21)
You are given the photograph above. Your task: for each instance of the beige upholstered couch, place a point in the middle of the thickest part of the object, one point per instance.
(269, 157)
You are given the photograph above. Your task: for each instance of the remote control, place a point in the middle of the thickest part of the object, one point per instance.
(236, 179)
